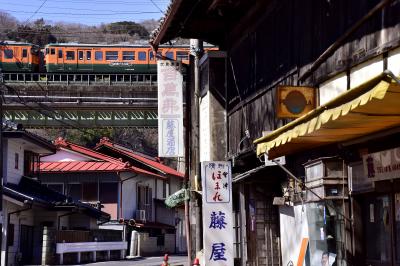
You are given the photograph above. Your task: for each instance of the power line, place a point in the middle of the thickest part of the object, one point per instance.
(81, 14)
(106, 2)
(36, 11)
(154, 3)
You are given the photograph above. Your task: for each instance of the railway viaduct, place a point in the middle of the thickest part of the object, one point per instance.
(80, 100)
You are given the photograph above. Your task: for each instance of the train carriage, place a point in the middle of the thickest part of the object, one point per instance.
(95, 58)
(19, 57)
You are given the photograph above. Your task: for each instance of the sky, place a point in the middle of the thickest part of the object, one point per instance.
(89, 12)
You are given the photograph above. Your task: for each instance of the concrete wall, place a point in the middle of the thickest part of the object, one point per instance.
(148, 245)
(293, 228)
(14, 147)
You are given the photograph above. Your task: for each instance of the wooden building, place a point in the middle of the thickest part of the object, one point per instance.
(339, 50)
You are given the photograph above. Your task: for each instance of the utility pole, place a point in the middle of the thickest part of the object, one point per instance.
(1, 155)
(196, 49)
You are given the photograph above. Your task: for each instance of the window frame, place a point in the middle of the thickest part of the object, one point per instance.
(24, 53)
(70, 58)
(182, 55)
(60, 53)
(112, 59)
(81, 55)
(124, 55)
(8, 53)
(89, 55)
(170, 52)
(141, 54)
(16, 161)
(96, 54)
(52, 51)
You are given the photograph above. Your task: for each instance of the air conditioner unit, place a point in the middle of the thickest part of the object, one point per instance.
(141, 215)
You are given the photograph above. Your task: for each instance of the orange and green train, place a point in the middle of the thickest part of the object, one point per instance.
(95, 58)
(19, 57)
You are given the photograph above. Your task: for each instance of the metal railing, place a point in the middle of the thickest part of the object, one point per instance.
(81, 78)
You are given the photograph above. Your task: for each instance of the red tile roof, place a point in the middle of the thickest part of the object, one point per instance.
(106, 163)
(135, 156)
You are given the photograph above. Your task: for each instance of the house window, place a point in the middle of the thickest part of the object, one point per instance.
(16, 160)
(98, 55)
(57, 187)
(111, 55)
(89, 192)
(24, 53)
(128, 55)
(165, 189)
(108, 192)
(75, 191)
(144, 196)
(10, 235)
(31, 163)
(70, 55)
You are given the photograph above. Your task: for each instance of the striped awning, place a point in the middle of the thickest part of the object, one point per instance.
(371, 107)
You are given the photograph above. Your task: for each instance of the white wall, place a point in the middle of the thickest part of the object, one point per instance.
(332, 88)
(365, 71)
(65, 156)
(394, 61)
(14, 175)
(293, 228)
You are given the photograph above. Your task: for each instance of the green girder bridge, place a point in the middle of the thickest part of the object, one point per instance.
(80, 100)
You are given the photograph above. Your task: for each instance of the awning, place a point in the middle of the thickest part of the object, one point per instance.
(371, 107)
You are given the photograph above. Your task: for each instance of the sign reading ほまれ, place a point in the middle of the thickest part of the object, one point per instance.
(217, 213)
(170, 109)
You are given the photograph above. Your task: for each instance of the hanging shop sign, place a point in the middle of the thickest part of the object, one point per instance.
(217, 213)
(382, 165)
(295, 101)
(170, 109)
(177, 198)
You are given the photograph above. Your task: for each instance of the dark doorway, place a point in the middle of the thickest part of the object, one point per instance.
(26, 244)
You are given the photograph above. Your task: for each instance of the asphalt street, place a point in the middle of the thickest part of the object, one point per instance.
(174, 260)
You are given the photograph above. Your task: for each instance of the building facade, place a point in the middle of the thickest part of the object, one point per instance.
(335, 200)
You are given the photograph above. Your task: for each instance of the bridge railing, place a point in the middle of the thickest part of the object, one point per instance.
(81, 78)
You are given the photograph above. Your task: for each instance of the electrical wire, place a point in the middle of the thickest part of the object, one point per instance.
(81, 14)
(36, 11)
(154, 3)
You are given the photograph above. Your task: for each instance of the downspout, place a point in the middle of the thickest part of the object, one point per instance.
(8, 224)
(331, 49)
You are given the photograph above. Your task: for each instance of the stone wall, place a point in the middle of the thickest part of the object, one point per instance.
(148, 244)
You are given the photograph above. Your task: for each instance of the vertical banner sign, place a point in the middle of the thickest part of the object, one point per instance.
(217, 213)
(170, 109)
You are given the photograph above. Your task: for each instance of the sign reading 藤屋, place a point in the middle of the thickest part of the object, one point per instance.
(217, 213)
(170, 109)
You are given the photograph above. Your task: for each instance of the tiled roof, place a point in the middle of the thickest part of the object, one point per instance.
(106, 163)
(77, 166)
(135, 156)
(34, 192)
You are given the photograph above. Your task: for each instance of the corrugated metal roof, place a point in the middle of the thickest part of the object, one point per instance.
(76, 166)
(151, 163)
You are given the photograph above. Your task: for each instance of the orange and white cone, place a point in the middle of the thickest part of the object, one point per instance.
(165, 262)
(196, 262)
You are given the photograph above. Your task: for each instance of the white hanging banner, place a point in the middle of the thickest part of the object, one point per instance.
(170, 109)
(217, 213)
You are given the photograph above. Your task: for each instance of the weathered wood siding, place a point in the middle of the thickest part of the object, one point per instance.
(282, 45)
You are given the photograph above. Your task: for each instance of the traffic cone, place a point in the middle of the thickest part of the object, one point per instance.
(196, 262)
(165, 262)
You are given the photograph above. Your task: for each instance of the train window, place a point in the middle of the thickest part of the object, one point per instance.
(8, 54)
(47, 50)
(98, 55)
(52, 51)
(169, 55)
(182, 55)
(142, 56)
(151, 55)
(80, 55)
(111, 55)
(128, 55)
(88, 55)
(70, 55)
(60, 53)
(24, 53)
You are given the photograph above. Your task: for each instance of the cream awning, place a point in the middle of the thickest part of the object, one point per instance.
(371, 107)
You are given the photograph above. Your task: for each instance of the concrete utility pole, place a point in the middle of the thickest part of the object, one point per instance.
(196, 49)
